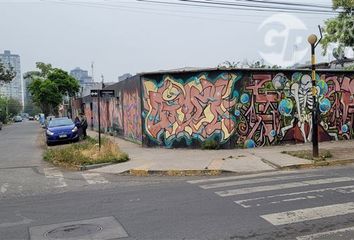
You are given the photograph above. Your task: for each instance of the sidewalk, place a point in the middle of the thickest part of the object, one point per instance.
(160, 160)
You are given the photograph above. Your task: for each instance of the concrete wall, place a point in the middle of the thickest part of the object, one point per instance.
(121, 114)
(244, 108)
(235, 108)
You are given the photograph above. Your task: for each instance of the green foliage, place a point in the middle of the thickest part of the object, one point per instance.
(31, 108)
(347, 5)
(14, 107)
(3, 111)
(210, 144)
(350, 68)
(9, 107)
(49, 86)
(340, 29)
(6, 74)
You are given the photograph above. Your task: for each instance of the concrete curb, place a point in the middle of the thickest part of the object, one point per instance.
(142, 173)
(93, 166)
(325, 163)
(188, 173)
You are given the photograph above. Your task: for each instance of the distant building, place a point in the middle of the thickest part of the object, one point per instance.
(14, 89)
(81, 75)
(86, 81)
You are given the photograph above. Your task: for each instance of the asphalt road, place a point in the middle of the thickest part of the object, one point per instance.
(39, 201)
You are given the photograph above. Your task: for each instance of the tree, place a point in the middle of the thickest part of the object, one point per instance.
(6, 74)
(31, 108)
(247, 64)
(340, 30)
(49, 86)
(3, 110)
(14, 107)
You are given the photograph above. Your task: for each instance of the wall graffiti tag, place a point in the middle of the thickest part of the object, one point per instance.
(198, 108)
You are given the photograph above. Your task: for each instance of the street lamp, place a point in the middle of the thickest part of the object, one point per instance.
(312, 39)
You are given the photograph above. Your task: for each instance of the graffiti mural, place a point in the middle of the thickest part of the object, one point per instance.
(132, 116)
(340, 95)
(278, 108)
(235, 108)
(195, 109)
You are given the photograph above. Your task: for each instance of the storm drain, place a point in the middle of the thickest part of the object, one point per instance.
(96, 229)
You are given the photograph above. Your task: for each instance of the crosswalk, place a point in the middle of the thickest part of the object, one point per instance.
(284, 199)
(59, 181)
(48, 179)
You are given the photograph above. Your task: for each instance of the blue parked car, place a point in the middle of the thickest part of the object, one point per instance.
(61, 130)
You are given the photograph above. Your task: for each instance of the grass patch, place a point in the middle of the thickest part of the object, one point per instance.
(85, 153)
(307, 154)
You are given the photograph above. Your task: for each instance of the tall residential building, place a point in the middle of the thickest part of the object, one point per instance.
(81, 75)
(14, 89)
(86, 81)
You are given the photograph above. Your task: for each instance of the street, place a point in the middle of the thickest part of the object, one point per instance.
(40, 201)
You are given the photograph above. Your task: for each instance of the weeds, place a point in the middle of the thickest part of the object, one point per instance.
(85, 153)
(307, 154)
(210, 144)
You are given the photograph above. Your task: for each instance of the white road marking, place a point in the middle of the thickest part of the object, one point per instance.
(4, 187)
(326, 234)
(240, 191)
(296, 199)
(308, 214)
(337, 189)
(55, 174)
(239, 177)
(94, 178)
(255, 180)
(24, 221)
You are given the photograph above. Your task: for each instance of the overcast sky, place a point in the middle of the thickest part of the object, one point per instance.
(136, 37)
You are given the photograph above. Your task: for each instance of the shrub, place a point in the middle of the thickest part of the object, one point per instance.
(210, 144)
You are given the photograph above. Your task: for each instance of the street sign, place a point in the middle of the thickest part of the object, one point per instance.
(94, 93)
(107, 93)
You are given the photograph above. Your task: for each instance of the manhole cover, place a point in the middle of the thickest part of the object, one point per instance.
(103, 228)
(73, 231)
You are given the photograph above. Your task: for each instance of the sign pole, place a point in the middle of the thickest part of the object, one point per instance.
(99, 119)
(99, 94)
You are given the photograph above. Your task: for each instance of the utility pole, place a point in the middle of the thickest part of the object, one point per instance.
(93, 77)
(313, 40)
(102, 81)
(99, 118)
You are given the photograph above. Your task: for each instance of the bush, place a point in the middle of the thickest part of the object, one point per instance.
(85, 153)
(210, 144)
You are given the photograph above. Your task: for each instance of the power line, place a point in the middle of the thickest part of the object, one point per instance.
(149, 11)
(287, 4)
(236, 7)
(223, 3)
